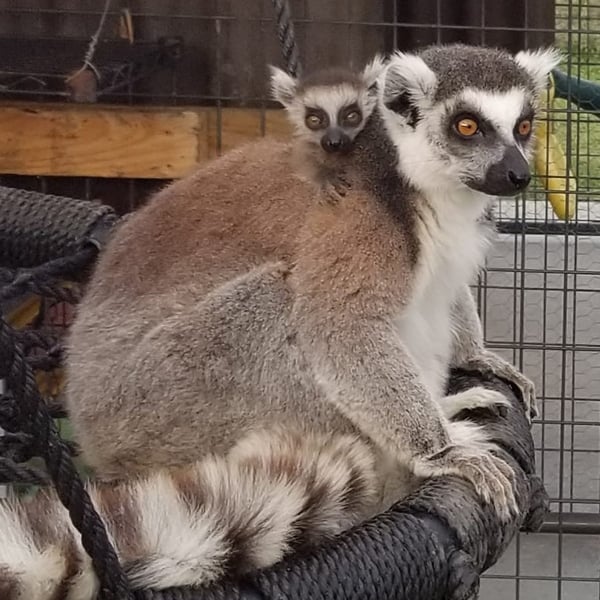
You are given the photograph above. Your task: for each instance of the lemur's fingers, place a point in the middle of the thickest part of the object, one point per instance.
(345, 181)
(528, 390)
(335, 190)
(484, 471)
(492, 363)
(474, 398)
(471, 458)
(340, 184)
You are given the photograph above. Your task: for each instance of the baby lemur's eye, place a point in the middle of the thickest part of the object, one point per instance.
(315, 121)
(466, 126)
(353, 118)
(524, 127)
(350, 116)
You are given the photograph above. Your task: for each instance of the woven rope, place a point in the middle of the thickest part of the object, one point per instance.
(287, 37)
(11, 472)
(38, 228)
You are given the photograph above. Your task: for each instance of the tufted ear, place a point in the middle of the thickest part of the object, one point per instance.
(538, 64)
(409, 79)
(373, 71)
(283, 86)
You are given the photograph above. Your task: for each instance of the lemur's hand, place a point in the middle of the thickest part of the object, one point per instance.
(470, 456)
(489, 362)
(336, 187)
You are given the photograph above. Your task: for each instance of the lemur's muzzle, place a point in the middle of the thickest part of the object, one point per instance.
(335, 140)
(507, 177)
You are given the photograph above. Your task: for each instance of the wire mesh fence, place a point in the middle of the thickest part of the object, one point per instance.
(539, 297)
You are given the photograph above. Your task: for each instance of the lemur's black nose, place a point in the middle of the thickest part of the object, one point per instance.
(519, 179)
(332, 145)
(335, 140)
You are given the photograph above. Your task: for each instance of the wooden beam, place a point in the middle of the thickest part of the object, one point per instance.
(98, 141)
(119, 141)
(241, 125)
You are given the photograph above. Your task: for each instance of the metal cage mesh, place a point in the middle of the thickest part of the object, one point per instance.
(539, 297)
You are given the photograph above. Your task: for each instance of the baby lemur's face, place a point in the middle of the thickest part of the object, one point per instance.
(331, 116)
(329, 107)
(465, 115)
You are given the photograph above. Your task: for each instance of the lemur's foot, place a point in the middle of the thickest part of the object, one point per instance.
(489, 362)
(470, 456)
(474, 398)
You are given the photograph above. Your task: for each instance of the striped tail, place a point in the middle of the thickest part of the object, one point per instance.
(273, 493)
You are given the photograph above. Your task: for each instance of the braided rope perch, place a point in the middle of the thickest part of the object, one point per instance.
(432, 545)
(287, 37)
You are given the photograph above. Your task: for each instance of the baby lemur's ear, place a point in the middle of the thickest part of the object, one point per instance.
(408, 83)
(539, 64)
(283, 86)
(373, 71)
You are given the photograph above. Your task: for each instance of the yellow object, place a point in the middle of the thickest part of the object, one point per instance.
(50, 383)
(26, 312)
(551, 165)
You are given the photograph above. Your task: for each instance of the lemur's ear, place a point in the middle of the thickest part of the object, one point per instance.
(283, 86)
(407, 77)
(373, 70)
(538, 64)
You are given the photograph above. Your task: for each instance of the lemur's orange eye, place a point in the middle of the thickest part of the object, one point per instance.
(467, 127)
(314, 121)
(524, 128)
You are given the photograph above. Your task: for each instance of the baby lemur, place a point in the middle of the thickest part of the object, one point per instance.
(307, 342)
(328, 109)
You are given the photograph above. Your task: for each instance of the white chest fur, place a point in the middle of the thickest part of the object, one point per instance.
(452, 249)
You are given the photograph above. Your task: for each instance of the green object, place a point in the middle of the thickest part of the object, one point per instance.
(584, 93)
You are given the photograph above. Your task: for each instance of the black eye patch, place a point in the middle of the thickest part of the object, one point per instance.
(350, 116)
(527, 114)
(316, 118)
(348, 109)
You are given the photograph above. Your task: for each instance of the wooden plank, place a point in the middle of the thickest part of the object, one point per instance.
(74, 140)
(101, 141)
(239, 126)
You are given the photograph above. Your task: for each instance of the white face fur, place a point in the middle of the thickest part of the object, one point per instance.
(329, 108)
(466, 121)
